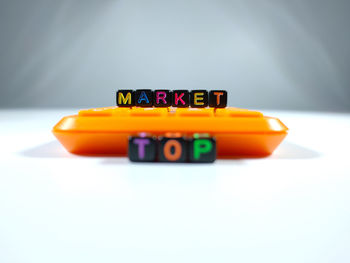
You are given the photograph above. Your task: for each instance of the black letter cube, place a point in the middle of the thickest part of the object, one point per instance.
(199, 98)
(172, 149)
(144, 98)
(125, 98)
(181, 98)
(162, 98)
(142, 149)
(202, 150)
(218, 98)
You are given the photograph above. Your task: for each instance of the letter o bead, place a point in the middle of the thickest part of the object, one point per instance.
(172, 150)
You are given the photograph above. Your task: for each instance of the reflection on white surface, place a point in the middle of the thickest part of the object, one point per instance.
(290, 207)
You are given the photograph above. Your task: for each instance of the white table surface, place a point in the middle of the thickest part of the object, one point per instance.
(291, 207)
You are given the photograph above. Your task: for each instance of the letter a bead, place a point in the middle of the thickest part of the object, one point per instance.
(144, 98)
(142, 149)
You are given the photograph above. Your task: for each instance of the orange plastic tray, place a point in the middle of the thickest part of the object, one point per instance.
(238, 132)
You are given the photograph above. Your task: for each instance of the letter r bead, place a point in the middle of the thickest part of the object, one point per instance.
(162, 98)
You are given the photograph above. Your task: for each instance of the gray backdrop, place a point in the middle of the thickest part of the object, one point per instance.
(268, 54)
